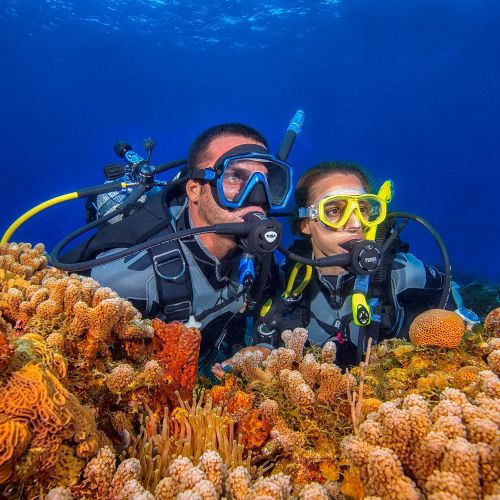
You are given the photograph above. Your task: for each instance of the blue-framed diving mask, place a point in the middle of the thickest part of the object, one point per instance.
(249, 175)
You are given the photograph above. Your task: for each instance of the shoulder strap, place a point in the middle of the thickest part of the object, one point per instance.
(136, 228)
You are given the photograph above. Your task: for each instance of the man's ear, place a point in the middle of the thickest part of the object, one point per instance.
(304, 226)
(193, 190)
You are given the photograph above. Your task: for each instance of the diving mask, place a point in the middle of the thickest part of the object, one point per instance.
(334, 210)
(242, 169)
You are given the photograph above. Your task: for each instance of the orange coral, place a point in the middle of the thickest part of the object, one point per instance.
(465, 376)
(6, 350)
(239, 404)
(34, 399)
(254, 429)
(177, 349)
(437, 327)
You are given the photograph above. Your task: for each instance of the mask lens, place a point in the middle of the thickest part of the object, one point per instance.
(235, 177)
(238, 173)
(370, 209)
(333, 210)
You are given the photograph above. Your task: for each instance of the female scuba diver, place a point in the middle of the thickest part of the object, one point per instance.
(336, 208)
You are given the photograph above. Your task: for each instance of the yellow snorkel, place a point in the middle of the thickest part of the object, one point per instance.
(361, 312)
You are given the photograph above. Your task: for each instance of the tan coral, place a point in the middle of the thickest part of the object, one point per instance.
(134, 489)
(314, 491)
(310, 369)
(120, 378)
(99, 472)
(461, 457)
(437, 327)
(295, 388)
(444, 482)
(329, 352)
(238, 483)
(494, 362)
(279, 359)
(216, 471)
(492, 322)
(59, 493)
(248, 363)
(129, 469)
(295, 340)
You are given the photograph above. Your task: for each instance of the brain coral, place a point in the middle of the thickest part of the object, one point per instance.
(437, 327)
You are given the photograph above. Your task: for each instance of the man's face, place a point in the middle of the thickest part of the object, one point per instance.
(204, 209)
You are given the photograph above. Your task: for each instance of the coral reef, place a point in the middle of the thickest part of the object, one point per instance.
(98, 403)
(77, 367)
(189, 431)
(409, 449)
(303, 397)
(399, 368)
(208, 479)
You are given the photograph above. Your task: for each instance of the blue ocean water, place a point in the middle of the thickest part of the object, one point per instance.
(408, 89)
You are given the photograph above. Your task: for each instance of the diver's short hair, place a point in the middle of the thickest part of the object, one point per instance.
(198, 149)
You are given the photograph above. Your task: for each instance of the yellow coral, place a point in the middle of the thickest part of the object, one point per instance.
(465, 376)
(437, 327)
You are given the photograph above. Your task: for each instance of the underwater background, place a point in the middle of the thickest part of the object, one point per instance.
(407, 88)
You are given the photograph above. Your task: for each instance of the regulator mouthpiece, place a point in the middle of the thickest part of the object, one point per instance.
(263, 236)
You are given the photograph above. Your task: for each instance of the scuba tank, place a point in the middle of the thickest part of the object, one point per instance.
(104, 204)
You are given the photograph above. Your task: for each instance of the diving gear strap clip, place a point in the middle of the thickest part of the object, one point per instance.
(470, 317)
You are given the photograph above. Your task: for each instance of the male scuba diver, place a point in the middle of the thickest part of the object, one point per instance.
(209, 279)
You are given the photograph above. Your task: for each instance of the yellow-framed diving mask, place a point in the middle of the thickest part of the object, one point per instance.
(335, 209)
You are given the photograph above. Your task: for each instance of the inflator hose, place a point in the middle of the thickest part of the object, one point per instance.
(445, 292)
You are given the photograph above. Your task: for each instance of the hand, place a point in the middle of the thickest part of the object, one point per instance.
(218, 368)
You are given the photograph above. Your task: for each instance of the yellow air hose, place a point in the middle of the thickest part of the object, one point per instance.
(102, 188)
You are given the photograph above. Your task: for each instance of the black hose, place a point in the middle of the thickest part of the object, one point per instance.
(443, 300)
(335, 260)
(232, 228)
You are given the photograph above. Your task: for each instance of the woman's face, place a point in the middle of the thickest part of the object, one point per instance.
(325, 241)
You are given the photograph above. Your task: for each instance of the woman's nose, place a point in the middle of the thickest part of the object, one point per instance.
(353, 224)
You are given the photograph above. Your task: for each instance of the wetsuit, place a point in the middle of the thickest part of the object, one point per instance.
(177, 279)
(325, 306)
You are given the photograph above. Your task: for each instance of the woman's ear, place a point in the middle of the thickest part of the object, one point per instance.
(304, 226)
(193, 190)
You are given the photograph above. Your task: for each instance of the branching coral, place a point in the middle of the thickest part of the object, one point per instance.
(305, 397)
(450, 450)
